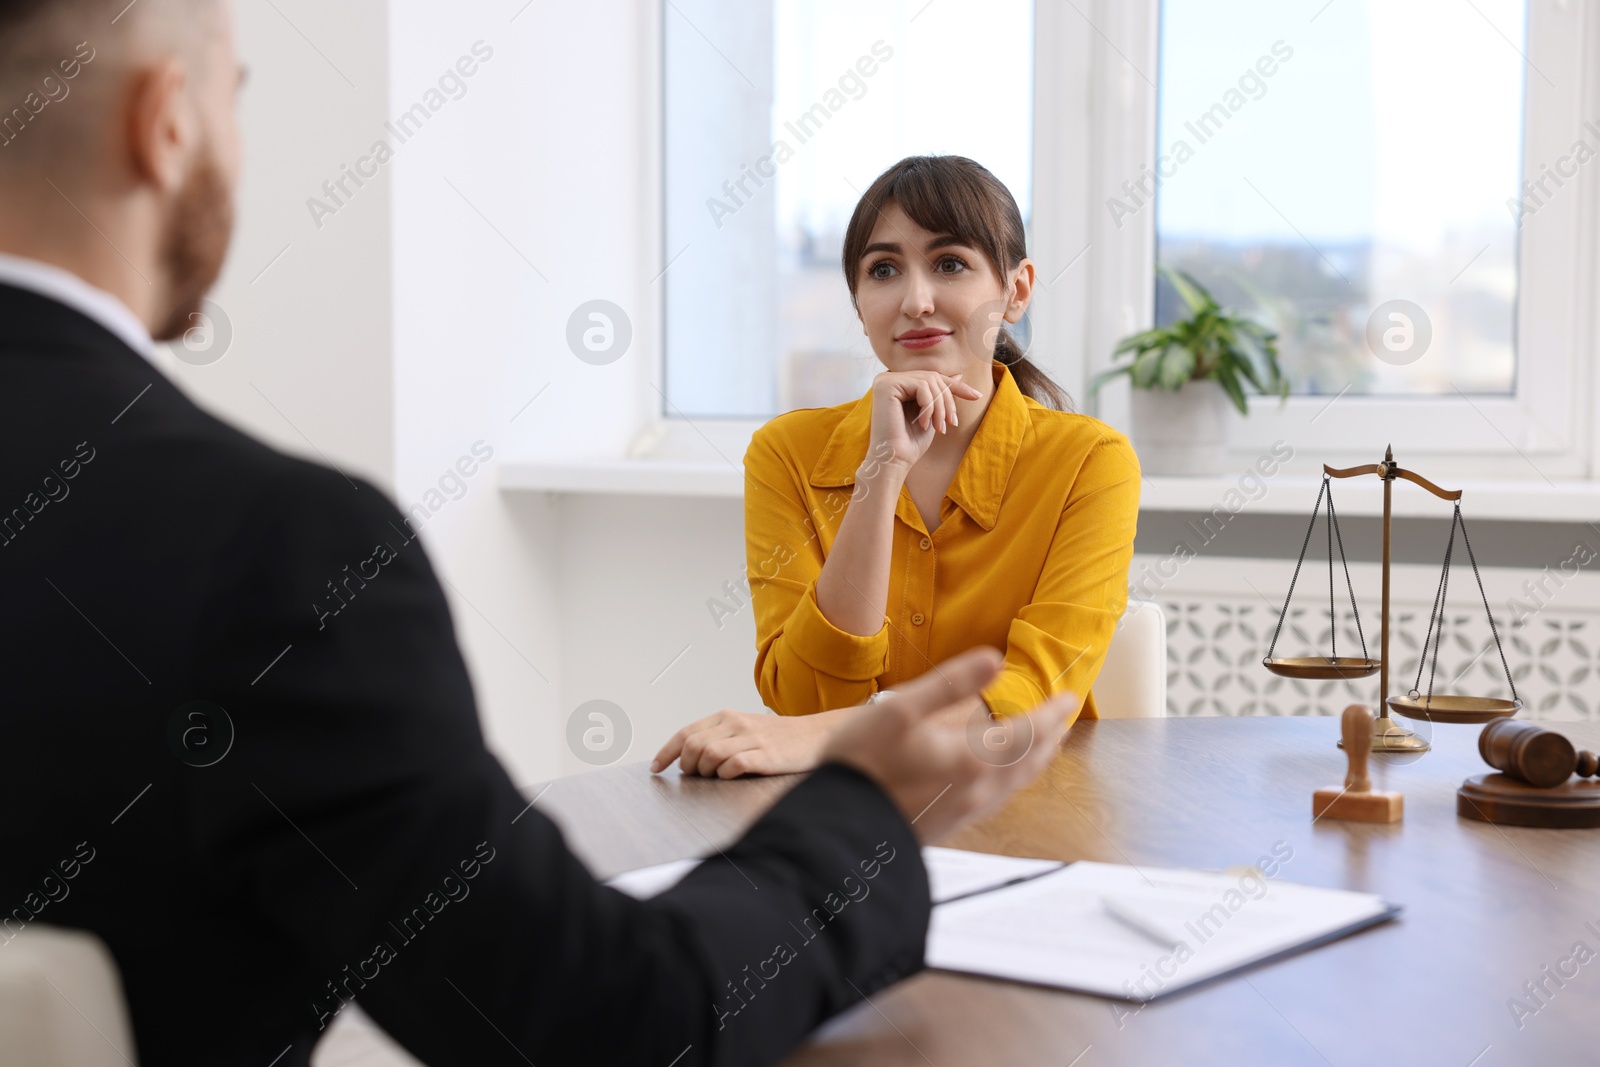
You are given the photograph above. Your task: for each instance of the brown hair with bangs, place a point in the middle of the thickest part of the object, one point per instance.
(957, 196)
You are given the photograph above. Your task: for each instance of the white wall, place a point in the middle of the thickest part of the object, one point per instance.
(557, 600)
(310, 364)
(408, 326)
(637, 574)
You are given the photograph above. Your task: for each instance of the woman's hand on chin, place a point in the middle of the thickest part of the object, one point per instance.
(909, 409)
(731, 743)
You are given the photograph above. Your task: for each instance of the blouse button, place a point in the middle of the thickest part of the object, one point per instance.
(918, 619)
(925, 544)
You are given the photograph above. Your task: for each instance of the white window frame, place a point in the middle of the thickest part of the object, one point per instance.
(1095, 126)
(1542, 432)
(676, 436)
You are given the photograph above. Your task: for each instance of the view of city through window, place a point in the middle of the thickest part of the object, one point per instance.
(1313, 173)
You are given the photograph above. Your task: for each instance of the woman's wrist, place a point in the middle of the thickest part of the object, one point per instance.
(829, 721)
(876, 472)
(825, 721)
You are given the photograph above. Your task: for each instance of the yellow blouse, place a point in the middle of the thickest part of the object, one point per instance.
(1031, 556)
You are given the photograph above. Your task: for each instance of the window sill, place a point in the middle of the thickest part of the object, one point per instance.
(1524, 501)
(628, 477)
(1507, 500)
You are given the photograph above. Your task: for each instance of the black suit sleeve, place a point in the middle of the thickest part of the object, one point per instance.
(360, 819)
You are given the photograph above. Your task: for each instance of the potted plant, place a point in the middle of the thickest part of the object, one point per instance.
(1185, 375)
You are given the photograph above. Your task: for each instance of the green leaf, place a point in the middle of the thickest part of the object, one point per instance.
(1258, 353)
(1230, 384)
(1192, 292)
(1146, 339)
(1176, 368)
(1147, 366)
(1242, 358)
(1276, 381)
(1256, 330)
(1210, 342)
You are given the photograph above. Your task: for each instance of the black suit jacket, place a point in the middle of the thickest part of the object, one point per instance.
(267, 808)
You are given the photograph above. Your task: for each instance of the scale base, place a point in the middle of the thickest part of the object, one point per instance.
(1390, 736)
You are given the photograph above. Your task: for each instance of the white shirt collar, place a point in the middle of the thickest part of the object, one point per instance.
(67, 288)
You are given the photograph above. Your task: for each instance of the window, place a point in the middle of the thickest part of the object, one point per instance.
(1434, 152)
(1353, 181)
(777, 114)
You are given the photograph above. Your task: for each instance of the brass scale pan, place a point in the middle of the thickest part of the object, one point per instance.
(1438, 707)
(1443, 707)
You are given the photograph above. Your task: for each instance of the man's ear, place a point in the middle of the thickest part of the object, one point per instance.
(163, 127)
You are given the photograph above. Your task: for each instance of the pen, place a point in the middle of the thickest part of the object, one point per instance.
(1139, 924)
(1018, 880)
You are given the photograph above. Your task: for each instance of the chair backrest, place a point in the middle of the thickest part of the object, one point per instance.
(1133, 682)
(61, 1001)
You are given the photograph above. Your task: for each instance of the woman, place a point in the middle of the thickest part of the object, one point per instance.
(954, 505)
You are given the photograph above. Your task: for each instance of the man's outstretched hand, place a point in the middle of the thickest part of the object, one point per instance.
(931, 748)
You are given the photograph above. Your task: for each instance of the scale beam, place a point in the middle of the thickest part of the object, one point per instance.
(1387, 735)
(1389, 470)
(1350, 472)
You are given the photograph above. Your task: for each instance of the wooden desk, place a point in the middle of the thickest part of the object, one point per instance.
(1486, 907)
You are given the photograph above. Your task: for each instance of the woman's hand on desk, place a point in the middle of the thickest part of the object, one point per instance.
(917, 745)
(731, 743)
(909, 408)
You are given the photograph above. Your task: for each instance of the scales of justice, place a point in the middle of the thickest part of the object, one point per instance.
(1387, 734)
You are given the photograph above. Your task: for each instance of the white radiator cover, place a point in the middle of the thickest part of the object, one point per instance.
(1221, 614)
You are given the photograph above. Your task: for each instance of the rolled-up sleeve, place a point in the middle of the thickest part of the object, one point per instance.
(1057, 642)
(804, 663)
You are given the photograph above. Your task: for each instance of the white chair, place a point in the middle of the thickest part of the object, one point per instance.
(61, 1001)
(1133, 682)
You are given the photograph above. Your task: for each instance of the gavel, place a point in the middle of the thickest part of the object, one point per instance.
(1532, 754)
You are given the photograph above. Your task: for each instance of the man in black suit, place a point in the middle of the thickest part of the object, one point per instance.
(267, 808)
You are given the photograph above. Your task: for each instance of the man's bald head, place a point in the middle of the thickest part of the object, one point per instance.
(53, 50)
(34, 30)
(119, 145)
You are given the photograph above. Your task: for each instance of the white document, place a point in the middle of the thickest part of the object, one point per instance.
(646, 882)
(952, 873)
(1137, 934)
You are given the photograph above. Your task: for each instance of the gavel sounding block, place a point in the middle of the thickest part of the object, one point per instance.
(1358, 807)
(1503, 800)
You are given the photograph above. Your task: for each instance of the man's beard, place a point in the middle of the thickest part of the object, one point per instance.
(196, 243)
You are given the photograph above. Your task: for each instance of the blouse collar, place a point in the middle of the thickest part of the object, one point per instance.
(980, 482)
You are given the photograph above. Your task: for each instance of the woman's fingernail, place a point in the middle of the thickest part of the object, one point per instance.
(655, 765)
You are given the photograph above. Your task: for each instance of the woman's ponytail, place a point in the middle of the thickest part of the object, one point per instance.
(1030, 379)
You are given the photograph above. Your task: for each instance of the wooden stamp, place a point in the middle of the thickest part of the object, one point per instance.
(1357, 801)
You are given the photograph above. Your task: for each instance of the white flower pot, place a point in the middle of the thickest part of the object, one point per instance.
(1182, 433)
